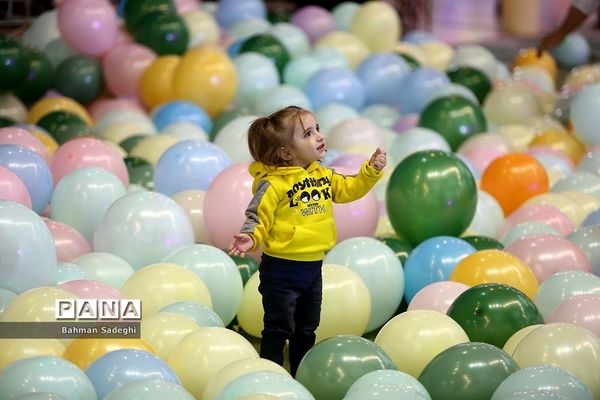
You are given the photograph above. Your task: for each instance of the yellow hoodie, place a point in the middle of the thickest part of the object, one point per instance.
(291, 213)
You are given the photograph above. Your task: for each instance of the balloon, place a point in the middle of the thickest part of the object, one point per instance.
(35, 305)
(246, 266)
(230, 11)
(83, 352)
(264, 385)
(180, 111)
(69, 243)
(378, 25)
(526, 229)
(353, 49)
(563, 286)
(80, 78)
(529, 56)
(202, 28)
(511, 103)
(13, 62)
(581, 310)
(472, 78)
(437, 296)
(134, 10)
(292, 37)
(582, 113)
(49, 104)
(149, 389)
(140, 172)
(164, 33)
(586, 238)
(268, 46)
(123, 66)
(256, 75)
(546, 214)
(104, 267)
(39, 77)
(381, 75)
(156, 85)
(565, 143)
(12, 188)
(12, 350)
(164, 330)
(483, 242)
(201, 314)
(418, 88)
(398, 246)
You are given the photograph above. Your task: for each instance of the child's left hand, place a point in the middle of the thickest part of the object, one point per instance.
(378, 159)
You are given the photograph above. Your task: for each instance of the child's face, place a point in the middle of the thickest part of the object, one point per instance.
(308, 144)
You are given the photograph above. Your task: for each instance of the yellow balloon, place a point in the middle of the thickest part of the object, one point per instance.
(582, 76)
(50, 104)
(495, 266)
(586, 203)
(437, 55)
(511, 344)
(199, 356)
(518, 136)
(378, 25)
(152, 147)
(116, 133)
(563, 203)
(250, 314)
(35, 305)
(237, 369)
(566, 346)
(206, 76)
(545, 123)
(159, 285)
(47, 140)
(529, 56)
(567, 144)
(413, 338)
(343, 290)
(413, 51)
(156, 82)
(164, 330)
(12, 350)
(349, 45)
(83, 352)
(511, 103)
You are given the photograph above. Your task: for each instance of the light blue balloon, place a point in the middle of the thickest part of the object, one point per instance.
(245, 28)
(158, 389)
(573, 51)
(256, 74)
(45, 374)
(419, 37)
(418, 87)
(533, 395)
(283, 386)
(384, 116)
(586, 182)
(332, 114)
(282, 96)
(343, 14)
(117, 368)
(380, 269)
(189, 165)
(330, 57)
(382, 75)
(81, 198)
(218, 271)
(234, 48)
(293, 38)
(384, 392)
(413, 140)
(433, 261)
(28, 254)
(592, 219)
(584, 114)
(525, 229)
(181, 111)
(587, 238)
(562, 286)
(454, 89)
(231, 11)
(389, 377)
(31, 168)
(66, 272)
(299, 70)
(6, 297)
(590, 163)
(197, 312)
(553, 164)
(544, 377)
(335, 85)
(105, 267)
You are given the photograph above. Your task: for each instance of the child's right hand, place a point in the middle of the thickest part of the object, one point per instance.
(241, 245)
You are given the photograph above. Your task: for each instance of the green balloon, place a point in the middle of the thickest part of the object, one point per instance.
(467, 371)
(164, 33)
(401, 247)
(64, 126)
(4, 122)
(129, 143)
(431, 193)
(455, 118)
(410, 60)
(334, 364)
(137, 9)
(247, 267)
(225, 117)
(140, 172)
(39, 77)
(493, 312)
(13, 63)
(473, 79)
(268, 46)
(80, 77)
(483, 243)
(276, 16)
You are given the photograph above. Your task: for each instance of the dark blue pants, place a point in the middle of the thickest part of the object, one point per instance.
(291, 297)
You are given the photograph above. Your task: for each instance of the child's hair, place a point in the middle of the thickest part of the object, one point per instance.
(268, 136)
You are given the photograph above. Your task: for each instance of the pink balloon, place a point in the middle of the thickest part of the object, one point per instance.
(12, 188)
(582, 310)
(69, 243)
(406, 122)
(437, 296)
(481, 157)
(123, 66)
(88, 26)
(315, 21)
(548, 254)
(90, 289)
(88, 152)
(537, 213)
(22, 137)
(103, 106)
(350, 162)
(183, 6)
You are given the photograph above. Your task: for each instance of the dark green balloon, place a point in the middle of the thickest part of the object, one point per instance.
(467, 371)
(269, 46)
(483, 243)
(140, 172)
(129, 143)
(493, 312)
(4, 122)
(276, 16)
(137, 9)
(39, 77)
(224, 118)
(334, 364)
(64, 126)
(13, 63)
(455, 118)
(80, 77)
(247, 267)
(401, 247)
(410, 60)
(162, 32)
(431, 193)
(473, 79)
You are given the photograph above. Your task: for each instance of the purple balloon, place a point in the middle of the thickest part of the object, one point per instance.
(315, 21)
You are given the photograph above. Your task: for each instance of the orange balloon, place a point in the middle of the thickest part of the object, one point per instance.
(513, 179)
(529, 56)
(156, 83)
(567, 144)
(83, 352)
(495, 266)
(50, 104)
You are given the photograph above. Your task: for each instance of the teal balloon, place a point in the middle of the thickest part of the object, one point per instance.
(431, 193)
(267, 383)
(467, 371)
(455, 118)
(4, 122)
(137, 9)
(388, 377)
(473, 79)
(197, 312)
(247, 267)
(493, 312)
(140, 172)
(334, 364)
(401, 247)
(164, 33)
(13, 63)
(269, 46)
(80, 77)
(150, 389)
(483, 243)
(105, 267)
(39, 78)
(64, 126)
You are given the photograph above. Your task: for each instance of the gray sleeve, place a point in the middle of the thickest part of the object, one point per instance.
(252, 219)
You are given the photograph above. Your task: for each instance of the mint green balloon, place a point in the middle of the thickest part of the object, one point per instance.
(292, 37)
(332, 114)
(283, 386)
(526, 229)
(255, 74)
(382, 115)
(581, 181)
(150, 390)
(6, 296)
(197, 312)
(282, 96)
(67, 272)
(105, 267)
(299, 70)
(384, 392)
(562, 286)
(343, 14)
(247, 27)
(389, 377)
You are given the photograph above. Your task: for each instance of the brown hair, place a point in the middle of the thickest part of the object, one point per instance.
(269, 136)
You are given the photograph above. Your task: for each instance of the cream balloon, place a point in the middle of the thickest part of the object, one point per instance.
(377, 23)
(437, 55)
(202, 28)
(411, 50)
(250, 314)
(116, 133)
(164, 330)
(350, 46)
(563, 203)
(511, 344)
(518, 135)
(511, 103)
(12, 350)
(233, 138)
(152, 147)
(192, 203)
(34, 305)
